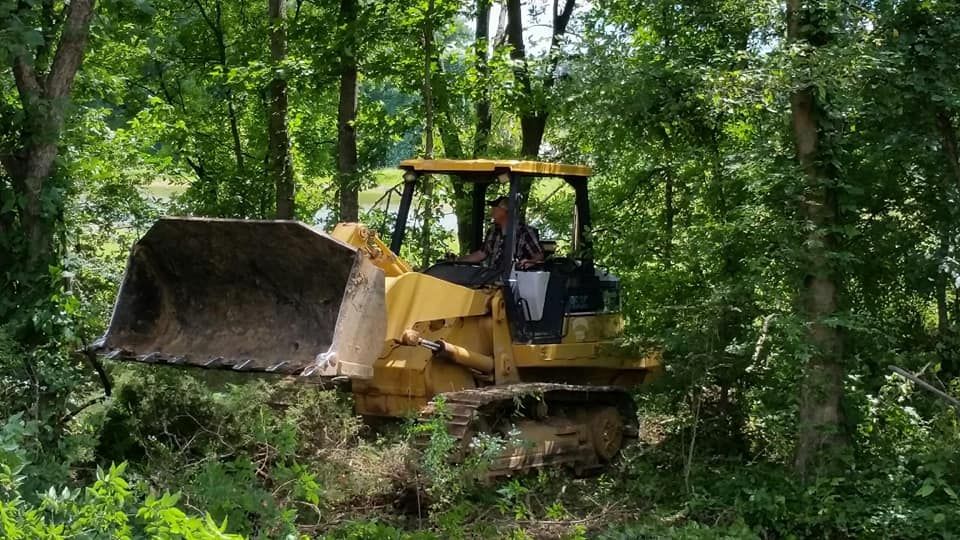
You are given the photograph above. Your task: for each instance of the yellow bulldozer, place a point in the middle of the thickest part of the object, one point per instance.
(530, 355)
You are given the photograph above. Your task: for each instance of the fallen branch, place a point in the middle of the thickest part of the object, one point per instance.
(70, 415)
(761, 349)
(929, 387)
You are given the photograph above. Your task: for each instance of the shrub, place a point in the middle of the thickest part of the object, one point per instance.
(109, 508)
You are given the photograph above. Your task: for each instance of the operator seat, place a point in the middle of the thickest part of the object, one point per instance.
(549, 248)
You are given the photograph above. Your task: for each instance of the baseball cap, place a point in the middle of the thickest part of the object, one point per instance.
(502, 202)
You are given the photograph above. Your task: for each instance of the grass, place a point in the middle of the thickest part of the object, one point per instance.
(163, 189)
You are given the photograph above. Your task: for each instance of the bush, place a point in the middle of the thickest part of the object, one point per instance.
(247, 450)
(109, 508)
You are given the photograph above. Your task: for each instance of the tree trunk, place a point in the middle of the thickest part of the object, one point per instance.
(668, 215)
(453, 148)
(532, 124)
(426, 241)
(533, 118)
(215, 24)
(534, 111)
(234, 131)
(940, 283)
(447, 127)
(820, 430)
(948, 139)
(534, 114)
(481, 139)
(281, 165)
(30, 163)
(44, 100)
(948, 142)
(532, 127)
(347, 180)
(956, 303)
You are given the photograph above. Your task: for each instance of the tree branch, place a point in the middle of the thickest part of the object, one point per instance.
(49, 22)
(928, 387)
(517, 51)
(214, 27)
(73, 41)
(23, 70)
(560, 21)
(26, 79)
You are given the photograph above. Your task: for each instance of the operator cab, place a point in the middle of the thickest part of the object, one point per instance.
(540, 298)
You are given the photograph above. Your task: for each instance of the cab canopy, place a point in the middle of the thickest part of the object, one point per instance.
(482, 173)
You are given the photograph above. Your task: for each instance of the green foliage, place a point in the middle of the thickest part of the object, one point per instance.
(512, 500)
(371, 530)
(106, 509)
(243, 452)
(682, 109)
(446, 481)
(899, 484)
(691, 531)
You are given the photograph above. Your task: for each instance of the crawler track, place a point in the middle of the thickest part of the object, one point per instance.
(581, 427)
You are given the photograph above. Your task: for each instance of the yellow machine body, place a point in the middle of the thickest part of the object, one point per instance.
(406, 377)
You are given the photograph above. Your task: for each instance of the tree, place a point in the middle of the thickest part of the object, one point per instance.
(449, 126)
(536, 100)
(536, 97)
(821, 427)
(216, 26)
(280, 164)
(481, 43)
(44, 77)
(347, 181)
(426, 181)
(926, 33)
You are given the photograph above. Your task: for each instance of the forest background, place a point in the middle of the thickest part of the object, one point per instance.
(776, 185)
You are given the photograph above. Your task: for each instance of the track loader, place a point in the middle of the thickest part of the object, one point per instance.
(530, 355)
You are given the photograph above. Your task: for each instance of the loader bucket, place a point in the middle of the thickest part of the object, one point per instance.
(270, 296)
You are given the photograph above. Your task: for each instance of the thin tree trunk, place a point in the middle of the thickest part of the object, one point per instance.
(215, 24)
(948, 142)
(820, 434)
(481, 140)
(948, 139)
(453, 148)
(426, 180)
(940, 283)
(500, 38)
(668, 215)
(956, 303)
(216, 27)
(281, 165)
(234, 131)
(347, 115)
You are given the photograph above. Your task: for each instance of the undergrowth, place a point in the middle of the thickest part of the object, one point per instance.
(195, 455)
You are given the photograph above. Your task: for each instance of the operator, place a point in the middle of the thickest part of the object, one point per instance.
(528, 252)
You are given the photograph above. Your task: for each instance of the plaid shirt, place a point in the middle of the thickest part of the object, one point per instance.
(528, 245)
